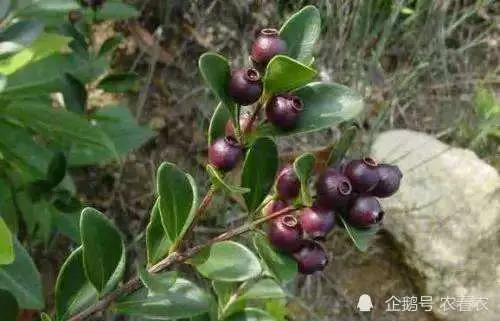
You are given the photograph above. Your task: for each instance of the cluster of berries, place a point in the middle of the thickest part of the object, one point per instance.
(245, 88)
(349, 189)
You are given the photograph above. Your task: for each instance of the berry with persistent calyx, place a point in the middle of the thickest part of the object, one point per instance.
(244, 120)
(311, 257)
(363, 174)
(285, 233)
(267, 45)
(389, 179)
(333, 189)
(273, 207)
(225, 153)
(317, 222)
(283, 110)
(287, 183)
(245, 86)
(364, 212)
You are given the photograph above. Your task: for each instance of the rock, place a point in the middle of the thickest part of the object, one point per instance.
(446, 220)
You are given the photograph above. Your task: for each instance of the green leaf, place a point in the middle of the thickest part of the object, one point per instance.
(340, 149)
(113, 10)
(250, 314)
(49, 7)
(283, 267)
(103, 249)
(74, 93)
(230, 262)
(4, 9)
(304, 166)
(224, 291)
(3, 82)
(157, 284)
(57, 169)
(360, 237)
(157, 241)
(264, 289)
(324, 105)
(183, 300)
(8, 306)
(73, 292)
(21, 278)
(68, 225)
(259, 171)
(45, 317)
(218, 180)
(6, 245)
(110, 44)
(118, 83)
(218, 122)
(178, 199)
(301, 32)
(285, 74)
(277, 309)
(19, 36)
(122, 129)
(216, 71)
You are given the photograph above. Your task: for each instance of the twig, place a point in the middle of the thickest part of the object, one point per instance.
(135, 283)
(252, 119)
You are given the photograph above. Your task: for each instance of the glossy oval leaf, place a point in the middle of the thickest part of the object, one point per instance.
(110, 44)
(218, 180)
(250, 314)
(264, 289)
(103, 249)
(301, 32)
(157, 284)
(325, 105)
(21, 278)
(118, 83)
(8, 306)
(157, 241)
(3, 82)
(178, 199)
(74, 93)
(183, 300)
(216, 71)
(114, 10)
(259, 171)
(57, 169)
(6, 244)
(284, 74)
(283, 267)
(340, 149)
(360, 237)
(217, 127)
(73, 292)
(304, 166)
(45, 317)
(230, 262)
(19, 35)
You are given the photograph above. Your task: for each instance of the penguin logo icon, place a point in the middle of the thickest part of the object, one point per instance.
(365, 303)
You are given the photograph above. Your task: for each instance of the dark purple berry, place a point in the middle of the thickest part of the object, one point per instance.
(285, 233)
(267, 45)
(273, 207)
(364, 212)
(317, 222)
(245, 86)
(389, 179)
(363, 174)
(225, 153)
(287, 183)
(311, 257)
(333, 189)
(244, 120)
(283, 110)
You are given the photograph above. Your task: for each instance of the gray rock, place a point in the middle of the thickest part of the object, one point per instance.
(446, 219)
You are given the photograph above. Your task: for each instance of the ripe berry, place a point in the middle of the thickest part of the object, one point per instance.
(283, 110)
(273, 207)
(225, 153)
(364, 212)
(389, 180)
(285, 233)
(287, 183)
(245, 86)
(362, 174)
(311, 257)
(267, 45)
(244, 120)
(333, 189)
(317, 222)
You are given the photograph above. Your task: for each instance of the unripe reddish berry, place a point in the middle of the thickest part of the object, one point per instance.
(267, 45)
(245, 86)
(285, 233)
(244, 120)
(225, 153)
(311, 257)
(362, 174)
(333, 189)
(317, 222)
(287, 183)
(273, 207)
(389, 180)
(283, 110)
(365, 212)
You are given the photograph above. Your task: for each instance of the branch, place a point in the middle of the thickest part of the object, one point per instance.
(252, 119)
(135, 283)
